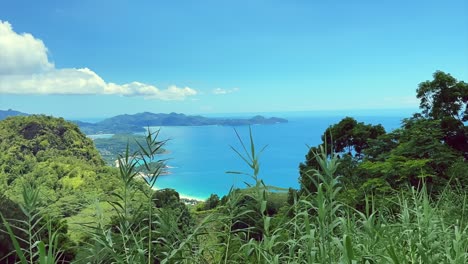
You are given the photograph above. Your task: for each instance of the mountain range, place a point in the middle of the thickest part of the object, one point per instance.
(6, 113)
(137, 122)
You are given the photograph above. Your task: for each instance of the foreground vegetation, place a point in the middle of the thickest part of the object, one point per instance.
(366, 196)
(317, 229)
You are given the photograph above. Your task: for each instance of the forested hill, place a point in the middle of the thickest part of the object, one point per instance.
(58, 159)
(41, 137)
(137, 122)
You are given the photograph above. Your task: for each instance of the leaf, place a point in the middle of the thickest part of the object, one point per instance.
(42, 252)
(393, 256)
(349, 249)
(18, 249)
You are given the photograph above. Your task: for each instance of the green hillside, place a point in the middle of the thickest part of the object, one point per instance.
(54, 157)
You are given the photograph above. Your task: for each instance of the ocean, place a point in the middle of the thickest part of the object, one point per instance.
(200, 156)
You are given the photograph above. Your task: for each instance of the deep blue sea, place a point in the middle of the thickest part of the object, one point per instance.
(200, 156)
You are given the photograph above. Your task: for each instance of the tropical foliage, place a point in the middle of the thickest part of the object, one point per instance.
(367, 196)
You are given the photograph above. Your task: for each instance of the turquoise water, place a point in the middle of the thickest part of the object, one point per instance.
(200, 156)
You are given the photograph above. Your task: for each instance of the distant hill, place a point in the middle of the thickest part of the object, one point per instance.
(124, 124)
(137, 122)
(6, 113)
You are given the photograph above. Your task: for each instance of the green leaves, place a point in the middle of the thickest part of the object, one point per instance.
(250, 158)
(349, 136)
(30, 244)
(446, 99)
(18, 249)
(319, 226)
(443, 96)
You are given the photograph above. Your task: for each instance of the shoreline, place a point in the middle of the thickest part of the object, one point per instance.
(188, 198)
(183, 196)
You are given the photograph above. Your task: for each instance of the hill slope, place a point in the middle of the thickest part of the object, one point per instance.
(54, 155)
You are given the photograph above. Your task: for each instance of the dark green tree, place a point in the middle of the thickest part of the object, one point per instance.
(349, 136)
(212, 202)
(446, 99)
(362, 134)
(410, 155)
(380, 147)
(340, 136)
(443, 97)
(168, 201)
(166, 198)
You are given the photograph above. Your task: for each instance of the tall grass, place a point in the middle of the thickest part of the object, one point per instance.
(318, 229)
(34, 238)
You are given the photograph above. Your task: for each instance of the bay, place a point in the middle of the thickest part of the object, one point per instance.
(200, 156)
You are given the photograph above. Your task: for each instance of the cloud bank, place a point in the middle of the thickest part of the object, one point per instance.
(26, 69)
(219, 91)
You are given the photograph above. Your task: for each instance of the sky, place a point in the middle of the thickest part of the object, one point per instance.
(87, 58)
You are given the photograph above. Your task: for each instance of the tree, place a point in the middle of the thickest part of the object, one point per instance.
(172, 209)
(362, 134)
(212, 202)
(412, 154)
(340, 136)
(166, 198)
(380, 147)
(347, 137)
(446, 99)
(350, 136)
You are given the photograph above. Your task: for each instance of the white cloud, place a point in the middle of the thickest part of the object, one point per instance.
(25, 69)
(150, 91)
(21, 53)
(219, 91)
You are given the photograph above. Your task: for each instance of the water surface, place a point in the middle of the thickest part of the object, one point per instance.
(201, 155)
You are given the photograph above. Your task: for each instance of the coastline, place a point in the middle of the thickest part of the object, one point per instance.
(187, 199)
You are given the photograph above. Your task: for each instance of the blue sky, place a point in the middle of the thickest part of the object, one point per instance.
(101, 58)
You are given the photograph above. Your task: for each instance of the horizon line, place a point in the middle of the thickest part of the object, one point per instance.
(296, 113)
